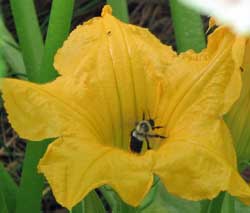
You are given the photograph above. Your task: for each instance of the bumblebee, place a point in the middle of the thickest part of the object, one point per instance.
(142, 132)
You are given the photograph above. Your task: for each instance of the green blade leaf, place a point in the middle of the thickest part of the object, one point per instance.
(32, 184)
(3, 207)
(204, 206)
(79, 208)
(150, 198)
(158, 200)
(241, 207)
(91, 204)
(216, 204)
(29, 35)
(188, 28)
(10, 51)
(120, 9)
(228, 205)
(59, 25)
(3, 66)
(8, 190)
(164, 202)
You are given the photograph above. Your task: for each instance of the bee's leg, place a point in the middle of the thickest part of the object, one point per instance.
(148, 145)
(157, 136)
(143, 116)
(158, 127)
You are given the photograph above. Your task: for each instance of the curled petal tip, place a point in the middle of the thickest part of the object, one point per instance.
(107, 9)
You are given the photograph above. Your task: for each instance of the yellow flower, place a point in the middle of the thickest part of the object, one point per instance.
(112, 73)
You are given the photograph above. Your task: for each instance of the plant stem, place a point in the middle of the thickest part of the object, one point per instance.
(31, 44)
(59, 25)
(189, 32)
(29, 35)
(120, 9)
(30, 191)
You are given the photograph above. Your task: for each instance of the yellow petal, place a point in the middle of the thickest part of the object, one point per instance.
(62, 107)
(76, 165)
(238, 116)
(193, 168)
(202, 80)
(37, 111)
(122, 57)
(198, 159)
(109, 39)
(79, 159)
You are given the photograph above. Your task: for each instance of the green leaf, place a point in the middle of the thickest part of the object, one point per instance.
(8, 190)
(223, 203)
(216, 204)
(188, 28)
(91, 204)
(59, 25)
(238, 118)
(3, 66)
(111, 197)
(29, 35)
(157, 201)
(32, 183)
(228, 205)
(164, 202)
(10, 52)
(150, 198)
(204, 206)
(3, 207)
(79, 208)
(241, 207)
(115, 202)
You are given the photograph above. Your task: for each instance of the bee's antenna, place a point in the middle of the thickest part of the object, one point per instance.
(143, 116)
(148, 114)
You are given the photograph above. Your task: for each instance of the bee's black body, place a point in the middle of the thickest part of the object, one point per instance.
(135, 144)
(141, 133)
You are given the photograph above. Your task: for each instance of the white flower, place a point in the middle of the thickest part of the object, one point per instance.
(234, 13)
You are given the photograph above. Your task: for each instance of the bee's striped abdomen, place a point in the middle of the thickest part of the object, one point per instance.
(135, 144)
